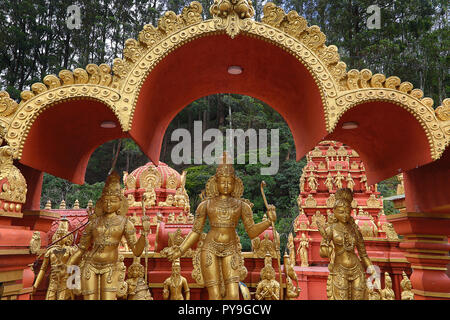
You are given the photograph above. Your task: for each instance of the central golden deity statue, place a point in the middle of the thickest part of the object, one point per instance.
(220, 256)
(341, 236)
(100, 265)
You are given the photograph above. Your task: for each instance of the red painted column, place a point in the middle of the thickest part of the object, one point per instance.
(425, 225)
(426, 245)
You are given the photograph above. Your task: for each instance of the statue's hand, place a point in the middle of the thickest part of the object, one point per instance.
(146, 224)
(271, 213)
(173, 253)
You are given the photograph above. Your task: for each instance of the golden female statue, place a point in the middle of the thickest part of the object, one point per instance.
(303, 250)
(175, 284)
(220, 256)
(341, 235)
(407, 293)
(57, 256)
(100, 266)
(387, 293)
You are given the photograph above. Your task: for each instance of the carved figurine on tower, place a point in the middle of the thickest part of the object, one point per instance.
(312, 182)
(100, 265)
(220, 258)
(303, 250)
(341, 236)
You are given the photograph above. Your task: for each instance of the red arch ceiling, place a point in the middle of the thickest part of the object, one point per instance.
(63, 137)
(199, 68)
(388, 138)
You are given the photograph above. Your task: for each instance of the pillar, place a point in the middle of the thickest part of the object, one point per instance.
(425, 226)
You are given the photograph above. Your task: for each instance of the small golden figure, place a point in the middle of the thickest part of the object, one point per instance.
(303, 250)
(364, 181)
(407, 294)
(329, 182)
(57, 256)
(350, 182)
(268, 288)
(387, 293)
(180, 200)
(302, 184)
(171, 218)
(137, 288)
(220, 256)
(341, 235)
(292, 292)
(338, 180)
(176, 284)
(170, 200)
(100, 266)
(181, 218)
(149, 197)
(291, 248)
(312, 182)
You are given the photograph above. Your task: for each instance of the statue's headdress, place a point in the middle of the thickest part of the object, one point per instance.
(225, 167)
(344, 196)
(112, 185)
(62, 230)
(112, 188)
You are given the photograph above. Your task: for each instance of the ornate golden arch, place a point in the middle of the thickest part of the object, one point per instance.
(340, 89)
(94, 83)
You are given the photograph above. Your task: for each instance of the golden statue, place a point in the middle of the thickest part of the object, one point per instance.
(303, 250)
(100, 265)
(387, 293)
(220, 257)
(302, 184)
(149, 197)
(264, 246)
(181, 218)
(268, 288)
(407, 294)
(350, 182)
(329, 182)
(292, 292)
(171, 218)
(364, 181)
(312, 182)
(57, 257)
(176, 284)
(137, 289)
(338, 180)
(180, 200)
(170, 201)
(341, 235)
(390, 231)
(291, 247)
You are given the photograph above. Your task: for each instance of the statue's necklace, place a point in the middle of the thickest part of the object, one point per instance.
(349, 241)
